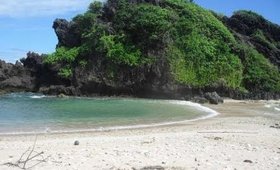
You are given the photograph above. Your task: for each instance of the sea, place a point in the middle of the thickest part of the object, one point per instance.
(31, 113)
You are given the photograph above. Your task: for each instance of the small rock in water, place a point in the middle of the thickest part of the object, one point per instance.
(248, 161)
(61, 95)
(76, 143)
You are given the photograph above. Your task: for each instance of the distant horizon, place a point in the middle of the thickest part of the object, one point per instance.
(30, 27)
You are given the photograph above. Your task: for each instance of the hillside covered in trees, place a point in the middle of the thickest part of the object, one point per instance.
(156, 48)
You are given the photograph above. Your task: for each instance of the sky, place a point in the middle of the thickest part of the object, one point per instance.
(26, 25)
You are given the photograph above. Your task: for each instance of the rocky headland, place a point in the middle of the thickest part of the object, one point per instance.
(150, 69)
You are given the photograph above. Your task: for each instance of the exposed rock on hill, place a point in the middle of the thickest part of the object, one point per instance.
(66, 33)
(255, 30)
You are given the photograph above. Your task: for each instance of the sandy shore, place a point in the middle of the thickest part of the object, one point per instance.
(241, 132)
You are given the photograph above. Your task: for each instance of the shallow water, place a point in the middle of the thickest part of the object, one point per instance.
(32, 113)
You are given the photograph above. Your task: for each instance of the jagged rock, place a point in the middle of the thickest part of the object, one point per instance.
(198, 99)
(33, 61)
(213, 98)
(14, 77)
(58, 90)
(17, 82)
(66, 33)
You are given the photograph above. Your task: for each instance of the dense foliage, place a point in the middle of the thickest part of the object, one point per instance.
(259, 73)
(197, 46)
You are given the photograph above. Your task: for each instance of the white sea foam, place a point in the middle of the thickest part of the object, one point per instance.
(37, 97)
(277, 109)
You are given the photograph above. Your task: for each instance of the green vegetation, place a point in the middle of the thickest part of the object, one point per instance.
(197, 46)
(200, 54)
(119, 53)
(259, 73)
(66, 57)
(259, 37)
(63, 54)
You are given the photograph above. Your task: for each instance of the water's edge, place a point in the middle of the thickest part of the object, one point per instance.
(211, 113)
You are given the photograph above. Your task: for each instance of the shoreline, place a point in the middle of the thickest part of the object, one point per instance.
(210, 113)
(213, 110)
(222, 142)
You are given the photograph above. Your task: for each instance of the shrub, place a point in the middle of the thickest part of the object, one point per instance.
(259, 73)
(62, 54)
(119, 53)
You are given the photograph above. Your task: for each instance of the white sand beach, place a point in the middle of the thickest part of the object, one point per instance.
(239, 138)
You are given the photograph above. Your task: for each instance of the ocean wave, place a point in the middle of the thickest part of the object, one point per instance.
(195, 105)
(37, 97)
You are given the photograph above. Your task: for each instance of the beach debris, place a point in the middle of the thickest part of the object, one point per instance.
(149, 142)
(153, 168)
(217, 138)
(29, 159)
(76, 143)
(248, 161)
(276, 126)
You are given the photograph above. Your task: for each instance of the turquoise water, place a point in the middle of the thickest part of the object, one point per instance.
(27, 112)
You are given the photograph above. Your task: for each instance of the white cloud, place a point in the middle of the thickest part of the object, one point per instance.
(35, 8)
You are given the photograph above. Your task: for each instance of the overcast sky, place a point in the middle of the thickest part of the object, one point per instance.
(26, 25)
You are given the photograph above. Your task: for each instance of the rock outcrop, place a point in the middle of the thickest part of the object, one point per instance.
(14, 77)
(66, 33)
(213, 98)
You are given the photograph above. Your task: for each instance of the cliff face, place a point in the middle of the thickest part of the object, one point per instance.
(154, 48)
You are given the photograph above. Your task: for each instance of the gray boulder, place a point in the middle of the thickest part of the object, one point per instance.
(213, 98)
(200, 100)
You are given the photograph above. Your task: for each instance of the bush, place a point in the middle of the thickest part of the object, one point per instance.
(201, 51)
(65, 72)
(259, 73)
(119, 53)
(62, 54)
